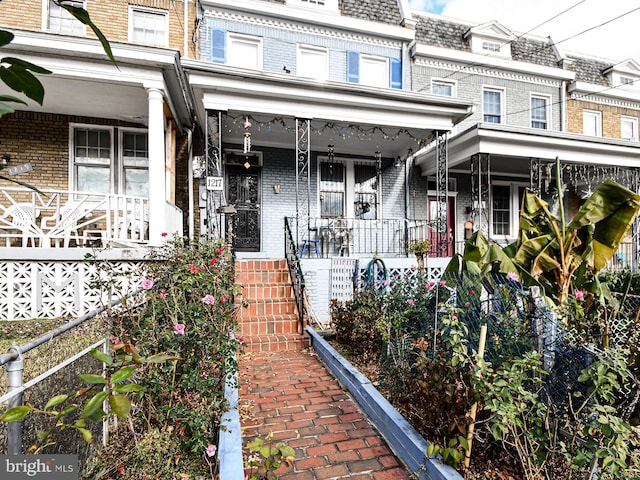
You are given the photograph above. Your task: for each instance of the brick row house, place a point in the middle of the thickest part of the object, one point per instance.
(361, 126)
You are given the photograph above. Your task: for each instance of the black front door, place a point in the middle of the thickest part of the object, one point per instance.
(243, 192)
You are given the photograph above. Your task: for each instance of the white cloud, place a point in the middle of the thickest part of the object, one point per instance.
(616, 40)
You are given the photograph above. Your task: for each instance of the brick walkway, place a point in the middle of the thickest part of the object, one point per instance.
(291, 394)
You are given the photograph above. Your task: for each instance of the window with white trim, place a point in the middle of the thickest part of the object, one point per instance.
(629, 128)
(374, 71)
(332, 191)
(505, 208)
(443, 87)
(236, 49)
(60, 20)
(348, 190)
(313, 62)
(592, 123)
(101, 165)
(365, 192)
(490, 46)
(540, 111)
(492, 105)
(148, 26)
(326, 5)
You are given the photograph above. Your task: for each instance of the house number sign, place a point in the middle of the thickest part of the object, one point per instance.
(214, 184)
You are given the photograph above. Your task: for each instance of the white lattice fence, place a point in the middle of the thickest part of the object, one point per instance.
(50, 289)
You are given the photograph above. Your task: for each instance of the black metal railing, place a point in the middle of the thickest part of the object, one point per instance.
(295, 271)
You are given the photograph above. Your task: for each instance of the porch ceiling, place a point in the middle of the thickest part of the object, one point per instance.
(356, 119)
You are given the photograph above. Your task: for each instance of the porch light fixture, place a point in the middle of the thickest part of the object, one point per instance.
(378, 156)
(247, 135)
(330, 152)
(5, 159)
(397, 162)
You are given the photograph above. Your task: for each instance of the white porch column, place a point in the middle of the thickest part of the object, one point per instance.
(157, 184)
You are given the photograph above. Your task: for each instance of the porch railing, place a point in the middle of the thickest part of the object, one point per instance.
(334, 237)
(295, 271)
(57, 218)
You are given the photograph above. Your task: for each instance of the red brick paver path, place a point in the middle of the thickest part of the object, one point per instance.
(291, 394)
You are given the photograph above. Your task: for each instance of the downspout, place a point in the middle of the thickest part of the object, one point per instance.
(190, 176)
(563, 106)
(186, 29)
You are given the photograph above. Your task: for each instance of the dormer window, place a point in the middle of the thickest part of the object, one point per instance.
(490, 39)
(625, 74)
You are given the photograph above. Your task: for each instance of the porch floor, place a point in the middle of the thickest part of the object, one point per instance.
(291, 394)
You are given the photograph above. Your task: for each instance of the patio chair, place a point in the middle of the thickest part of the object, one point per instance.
(65, 224)
(21, 218)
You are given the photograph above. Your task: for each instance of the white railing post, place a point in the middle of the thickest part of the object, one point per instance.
(15, 369)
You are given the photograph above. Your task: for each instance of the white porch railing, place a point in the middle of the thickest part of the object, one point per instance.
(56, 218)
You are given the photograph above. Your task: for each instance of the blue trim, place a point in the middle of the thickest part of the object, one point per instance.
(353, 66)
(218, 45)
(395, 73)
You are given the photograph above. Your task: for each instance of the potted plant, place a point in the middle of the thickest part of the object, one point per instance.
(420, 248)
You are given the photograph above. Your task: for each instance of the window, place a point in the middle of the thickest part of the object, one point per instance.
(331, 5)
(629, 128)
(540, 112)
(365, 192)
(97, 169)
(505, 208)
(441, 87)
(626, 80)
(374, 71)
(312, 62)
(234, 49)
(149, 26)
(61, 21)
(492, 105)
(592, 123)
(491, 46)
(331, 190)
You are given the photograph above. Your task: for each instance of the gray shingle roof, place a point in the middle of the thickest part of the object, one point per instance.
(383, 11)
(590, 70)
(534, 51)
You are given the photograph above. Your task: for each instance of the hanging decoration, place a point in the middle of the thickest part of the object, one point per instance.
(330, 153)
(343, 131)
(247, 135)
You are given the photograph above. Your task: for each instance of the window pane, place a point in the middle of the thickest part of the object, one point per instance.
(591, 123)
(62, 21)
(501, 211)
(331, 189)
(491, 103)
(136, 182)
(243, 53)
(312, 63)
(629, 129)
(442, 89)
(134, 149)
(92, 146)
(365, 188)
(93, 179)
(374, 71)
(149, 28)
(538, 112)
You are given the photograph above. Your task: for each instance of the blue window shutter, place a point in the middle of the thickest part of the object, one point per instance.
(396, 73)
(353, 66)
(218, 45)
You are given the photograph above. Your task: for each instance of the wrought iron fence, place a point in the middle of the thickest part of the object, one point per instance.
(295, 272)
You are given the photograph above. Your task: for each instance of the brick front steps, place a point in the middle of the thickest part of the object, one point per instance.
(267, 313)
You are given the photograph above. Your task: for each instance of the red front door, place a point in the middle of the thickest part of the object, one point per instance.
(442, 231)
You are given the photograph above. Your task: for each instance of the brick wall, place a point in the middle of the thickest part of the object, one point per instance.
(111, 16)
(43, 140)
(611, 116)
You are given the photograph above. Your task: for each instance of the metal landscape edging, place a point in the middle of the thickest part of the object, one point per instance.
(405, 441)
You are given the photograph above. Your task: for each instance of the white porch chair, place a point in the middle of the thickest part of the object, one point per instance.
(21, 217)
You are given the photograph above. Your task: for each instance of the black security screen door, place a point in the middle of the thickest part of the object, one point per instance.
(243, 192)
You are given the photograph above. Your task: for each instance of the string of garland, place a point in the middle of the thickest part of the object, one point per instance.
(235, 124)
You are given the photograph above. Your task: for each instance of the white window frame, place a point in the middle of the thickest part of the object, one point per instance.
(312, 50)
(234, 38)
(120, 155)
(547, 98)
(633, 121)
(116, 160)
(134, 9)
(597, 116)
(503, 101)
(349, 185)
(450, 83)
(514, 207)
(382, 80)
(46, 20)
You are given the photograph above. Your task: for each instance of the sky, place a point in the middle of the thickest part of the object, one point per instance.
(617, 40)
